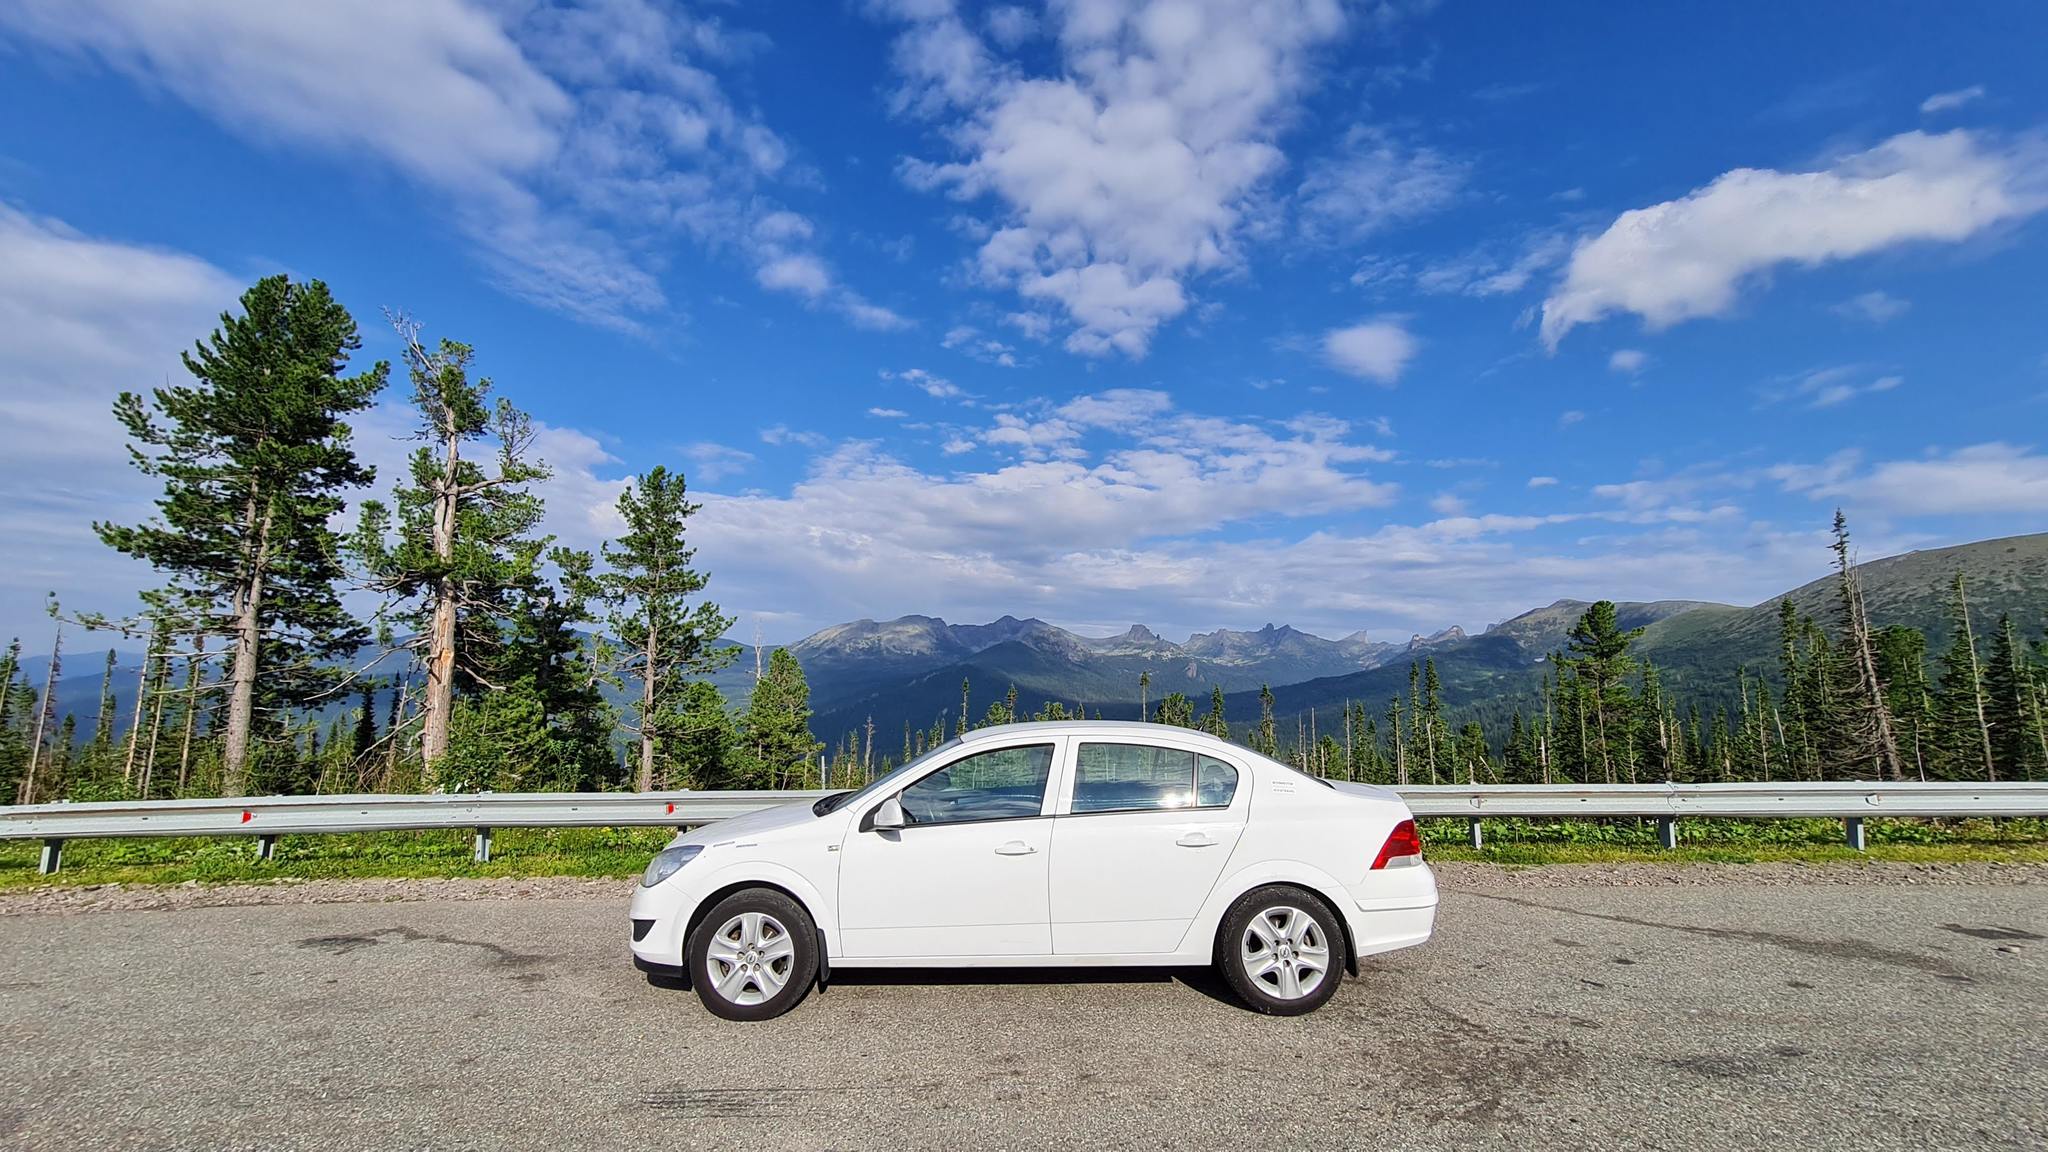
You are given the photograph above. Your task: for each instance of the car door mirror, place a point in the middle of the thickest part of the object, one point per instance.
(888, 816)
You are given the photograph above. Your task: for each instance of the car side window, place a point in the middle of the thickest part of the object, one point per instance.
(1000, 784)
(1215, 783)
(1143, 778)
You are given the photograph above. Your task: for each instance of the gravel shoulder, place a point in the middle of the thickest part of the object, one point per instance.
(1453, 876)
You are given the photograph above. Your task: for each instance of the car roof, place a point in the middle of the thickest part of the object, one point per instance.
(1130, 729)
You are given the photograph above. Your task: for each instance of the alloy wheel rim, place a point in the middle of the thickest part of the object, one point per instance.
(750, 958)
(1285, 952)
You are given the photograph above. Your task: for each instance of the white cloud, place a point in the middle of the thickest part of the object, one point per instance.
(1542, 481)
(1375, 350)
(1950, 101)
(936, 387)
(1569, 418)
(1484, 272)
(804, 275)
(1627, 361)
(889, 413)
(780, 434)
(1877, 307)
(1980, 479)
(1449, 504)
(1827, 387)
(1373, 182)
(572, 141)
(1689, 257)
(1131, 168)
(969, 341)
(1010, 25)
(85, 318)
(710, 463)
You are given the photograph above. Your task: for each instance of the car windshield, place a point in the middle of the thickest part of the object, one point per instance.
(839, 800)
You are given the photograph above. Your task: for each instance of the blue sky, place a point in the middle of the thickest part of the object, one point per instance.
(1186, 312)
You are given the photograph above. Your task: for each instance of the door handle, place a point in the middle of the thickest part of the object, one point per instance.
(1015, 848)
(1196, 840)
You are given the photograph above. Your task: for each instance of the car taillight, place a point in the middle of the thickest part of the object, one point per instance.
(1403, 847)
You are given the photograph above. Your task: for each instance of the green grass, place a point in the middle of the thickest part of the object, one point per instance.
(1532, 843)
(231, 860)
(624, 851)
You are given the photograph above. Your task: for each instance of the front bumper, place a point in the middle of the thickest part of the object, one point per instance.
(660, 917)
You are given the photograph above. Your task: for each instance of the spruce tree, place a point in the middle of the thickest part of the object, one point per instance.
(255, 456)
(775, 733)
(1902, 669)
(1598, 657)
(1214, 722)
(2015, 729)
(1859, 723)
(648, 591)
(1176, 709)
(1965, 725)
(1265, 738)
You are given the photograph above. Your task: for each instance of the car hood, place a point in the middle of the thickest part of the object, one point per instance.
(793, 814)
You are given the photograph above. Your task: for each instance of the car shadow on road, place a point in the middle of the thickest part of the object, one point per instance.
(1203, 980)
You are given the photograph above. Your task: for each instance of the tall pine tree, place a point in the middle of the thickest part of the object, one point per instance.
(464, 540)
(255, 456)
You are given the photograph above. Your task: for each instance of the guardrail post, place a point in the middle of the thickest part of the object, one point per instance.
(52, 858)
(1667, 831)
(483, 845)
(266, 847)
(1852, 829)
(1478, 839)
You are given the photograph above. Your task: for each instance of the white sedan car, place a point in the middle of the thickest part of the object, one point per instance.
(1055, 844)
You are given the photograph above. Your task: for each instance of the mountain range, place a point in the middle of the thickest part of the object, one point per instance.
(909, 670)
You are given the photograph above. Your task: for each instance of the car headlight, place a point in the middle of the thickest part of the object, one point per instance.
(667, 862)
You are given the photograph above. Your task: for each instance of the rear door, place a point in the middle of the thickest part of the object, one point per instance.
(1142, 833)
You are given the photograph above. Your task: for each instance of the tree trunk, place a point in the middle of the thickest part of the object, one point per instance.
(35, 748)
(440, 694)
(248, 604)
(191, 709)
(156, 724)
(647, 709)
(1976, 681)
(135, 725)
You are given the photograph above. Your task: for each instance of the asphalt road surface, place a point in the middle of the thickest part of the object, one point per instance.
(1729, 1015)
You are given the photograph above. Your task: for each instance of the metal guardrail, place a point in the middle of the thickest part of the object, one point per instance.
(268, 817)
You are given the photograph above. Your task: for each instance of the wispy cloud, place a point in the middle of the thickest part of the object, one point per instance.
(571, 138)
(1689, 257)
(1950, 101)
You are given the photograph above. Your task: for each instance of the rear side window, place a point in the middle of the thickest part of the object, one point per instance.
(1216, 782)
(1142, 778)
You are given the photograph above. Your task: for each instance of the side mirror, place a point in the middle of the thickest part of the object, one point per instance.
(887, 817)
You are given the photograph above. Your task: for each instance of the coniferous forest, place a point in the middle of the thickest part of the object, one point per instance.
(319, 628)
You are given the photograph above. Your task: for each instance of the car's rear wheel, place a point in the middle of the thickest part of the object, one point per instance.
(1281, 950)
(754, 955)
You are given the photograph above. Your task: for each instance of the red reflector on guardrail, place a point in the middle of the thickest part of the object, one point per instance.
(247, 816)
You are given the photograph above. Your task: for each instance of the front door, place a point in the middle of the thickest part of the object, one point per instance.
(966, 875)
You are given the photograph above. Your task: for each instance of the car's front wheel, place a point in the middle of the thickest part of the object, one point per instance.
(754, 955)
(1281, 950)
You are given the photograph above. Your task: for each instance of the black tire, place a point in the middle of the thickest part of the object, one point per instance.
(1267, 994)
(759, 995)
